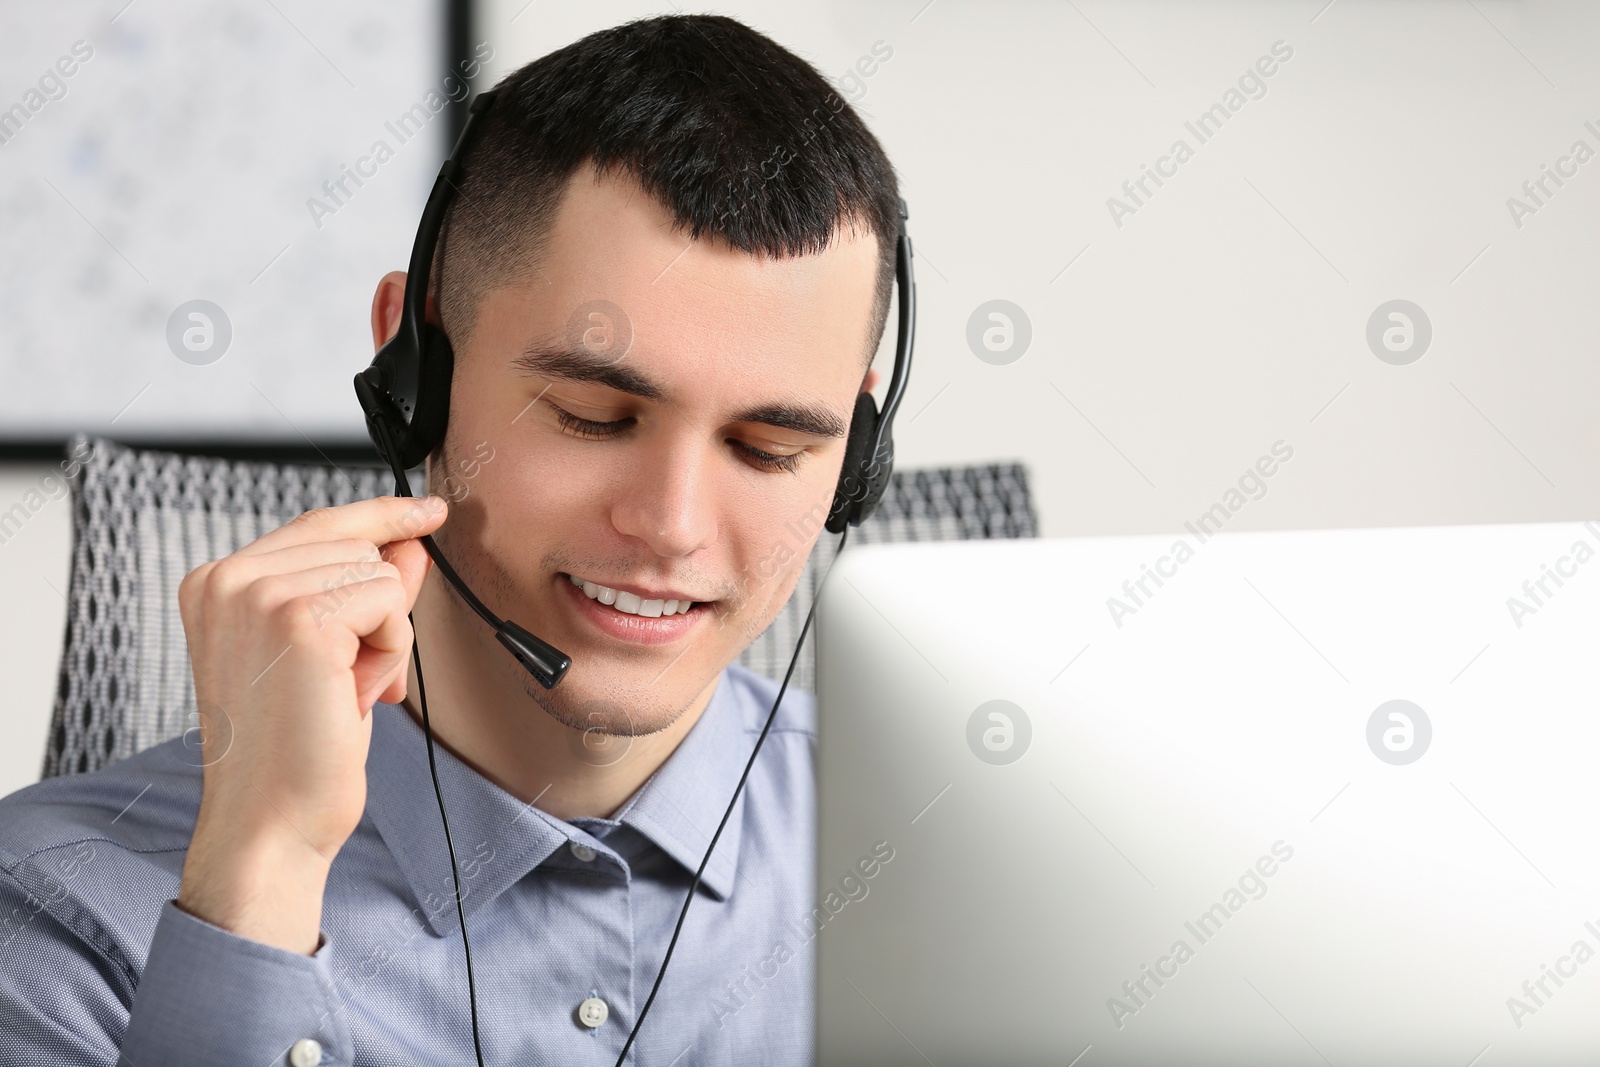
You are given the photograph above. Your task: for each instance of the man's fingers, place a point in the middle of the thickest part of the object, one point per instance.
(322, 591)
(412, 561)
(395, 691)
(240, 571)
(374, 614)
(379, 520)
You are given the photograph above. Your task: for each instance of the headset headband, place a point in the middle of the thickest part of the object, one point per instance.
(408, 383)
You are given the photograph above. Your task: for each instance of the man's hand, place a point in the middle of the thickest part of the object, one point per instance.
(292, 639)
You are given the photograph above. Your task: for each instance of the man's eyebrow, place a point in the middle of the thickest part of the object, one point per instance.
(802, 418)
(579, 365)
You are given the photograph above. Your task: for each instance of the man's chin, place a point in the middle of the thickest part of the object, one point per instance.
(616, 708)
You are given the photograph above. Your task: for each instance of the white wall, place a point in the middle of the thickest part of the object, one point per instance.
(33, 586)
(1229, 311)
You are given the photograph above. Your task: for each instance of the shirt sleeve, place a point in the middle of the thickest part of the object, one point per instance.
(58, 1004)
(209, 996)
(206, 995)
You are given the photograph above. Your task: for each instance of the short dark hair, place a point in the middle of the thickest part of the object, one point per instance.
(739, 138)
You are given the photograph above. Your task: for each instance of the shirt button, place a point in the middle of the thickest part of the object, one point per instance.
(307, 1052)
(586, 854)
(593, 1012)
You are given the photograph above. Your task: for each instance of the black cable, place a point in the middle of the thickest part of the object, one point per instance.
(403, 488)
(455, 874)
(750, 763)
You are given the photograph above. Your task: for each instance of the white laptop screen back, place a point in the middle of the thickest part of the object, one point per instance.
(1304, 797)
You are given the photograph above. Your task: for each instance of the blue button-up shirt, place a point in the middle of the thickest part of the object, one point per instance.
(95, 958)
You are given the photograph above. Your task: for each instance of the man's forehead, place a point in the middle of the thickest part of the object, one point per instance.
(625, 299)
(608, 225)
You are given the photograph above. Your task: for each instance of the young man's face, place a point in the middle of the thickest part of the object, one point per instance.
(740, 356)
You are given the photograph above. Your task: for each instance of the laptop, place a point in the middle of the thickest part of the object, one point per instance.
(1306, 797)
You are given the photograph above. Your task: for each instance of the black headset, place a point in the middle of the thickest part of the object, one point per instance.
(405, 395)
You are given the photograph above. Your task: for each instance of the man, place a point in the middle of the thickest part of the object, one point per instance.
(705, 200)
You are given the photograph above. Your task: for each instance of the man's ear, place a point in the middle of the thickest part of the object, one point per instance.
(871, 381)
(387, 305)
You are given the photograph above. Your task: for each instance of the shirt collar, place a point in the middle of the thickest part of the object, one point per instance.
(679, 807)
(499, 839)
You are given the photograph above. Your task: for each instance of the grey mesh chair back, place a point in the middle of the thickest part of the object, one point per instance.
(142, 519)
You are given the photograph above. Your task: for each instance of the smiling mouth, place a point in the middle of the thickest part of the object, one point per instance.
(631, 603)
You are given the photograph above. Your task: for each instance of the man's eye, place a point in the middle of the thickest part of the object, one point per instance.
(593, 430)
(769, 462)
(587, 427)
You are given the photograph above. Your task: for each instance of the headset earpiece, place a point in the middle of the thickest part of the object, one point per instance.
(409, 388)
(856, 493)
(432, 412)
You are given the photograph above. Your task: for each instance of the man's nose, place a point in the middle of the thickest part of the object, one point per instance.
(669, 498)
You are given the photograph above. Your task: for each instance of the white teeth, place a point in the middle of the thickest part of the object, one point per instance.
(631, 603)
